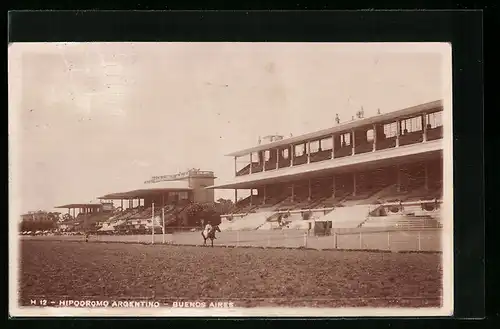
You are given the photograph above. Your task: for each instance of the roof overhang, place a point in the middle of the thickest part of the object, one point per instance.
(365, 161)
(386, 117)
(141, 193)
(80, 205)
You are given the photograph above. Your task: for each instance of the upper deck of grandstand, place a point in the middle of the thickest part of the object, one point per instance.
(408, 135)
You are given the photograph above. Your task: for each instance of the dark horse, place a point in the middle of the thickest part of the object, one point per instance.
(210, 234)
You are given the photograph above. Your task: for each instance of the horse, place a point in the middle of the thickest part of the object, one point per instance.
(210, 234)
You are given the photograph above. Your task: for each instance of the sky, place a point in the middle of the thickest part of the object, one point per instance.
(87, 119)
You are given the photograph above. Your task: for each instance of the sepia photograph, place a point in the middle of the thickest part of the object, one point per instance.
(230, 179)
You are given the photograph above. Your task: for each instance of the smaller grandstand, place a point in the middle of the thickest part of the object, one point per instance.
(85, 216)
(162, 202)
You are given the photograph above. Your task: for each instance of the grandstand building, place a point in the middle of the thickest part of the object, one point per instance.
(85, 215)
(161, 201)
(378, 171)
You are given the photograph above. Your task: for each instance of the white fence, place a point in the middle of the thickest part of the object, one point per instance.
(393, 240)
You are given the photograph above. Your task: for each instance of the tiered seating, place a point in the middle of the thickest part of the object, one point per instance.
(402, 222)
(332, 201)
(242, 206)
(250, 222)
(418, 194)
(244, 171)
(348, 217)
(384, 195)
(130, 213)
(124, 215)
(142, 212)
(99, 217)
(360, 198)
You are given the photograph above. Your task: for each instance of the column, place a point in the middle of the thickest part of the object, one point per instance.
(264, 160)
(334, 187)
(333, 146)
(251, 197)
(354, 184)
(398, 132)
(308, 147)
(374, 137)
(292, 154)
(424, 127)
(426, 173)
(309, 183)
(398, 182)
(235, 195)
(353, 142)
(277, 157)
(121, 203)
(251, 164)
(265, 195)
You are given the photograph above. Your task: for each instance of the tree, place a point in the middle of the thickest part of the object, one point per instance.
(206, 212)
(225, 206)
(54, 216)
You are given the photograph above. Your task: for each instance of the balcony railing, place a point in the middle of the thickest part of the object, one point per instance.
(386, 143)
(381, 144)
(435, 133)
(343, 152)
(411, 138)
(300, 160)
(284, 163)
(363, 148)
(321, 156)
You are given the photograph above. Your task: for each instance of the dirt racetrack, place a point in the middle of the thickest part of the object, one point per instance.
(249, 277)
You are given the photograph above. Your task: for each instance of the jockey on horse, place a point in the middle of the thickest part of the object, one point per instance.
(209, 233)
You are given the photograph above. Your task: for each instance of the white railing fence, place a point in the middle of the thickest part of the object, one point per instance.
(382, 239)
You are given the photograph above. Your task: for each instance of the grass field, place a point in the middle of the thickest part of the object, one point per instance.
(249, 277)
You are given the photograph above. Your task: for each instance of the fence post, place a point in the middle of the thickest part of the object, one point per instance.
(153, 224)
(334, 240)
(389, 240)
(305, 239)
(418, 239)
(360, 241)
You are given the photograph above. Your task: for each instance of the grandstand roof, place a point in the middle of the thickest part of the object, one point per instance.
(81, 205)
(402, 154)
(141, 193)
(343, 127)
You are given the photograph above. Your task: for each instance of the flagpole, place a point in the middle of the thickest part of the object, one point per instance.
(153, 225)
(163, 222)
